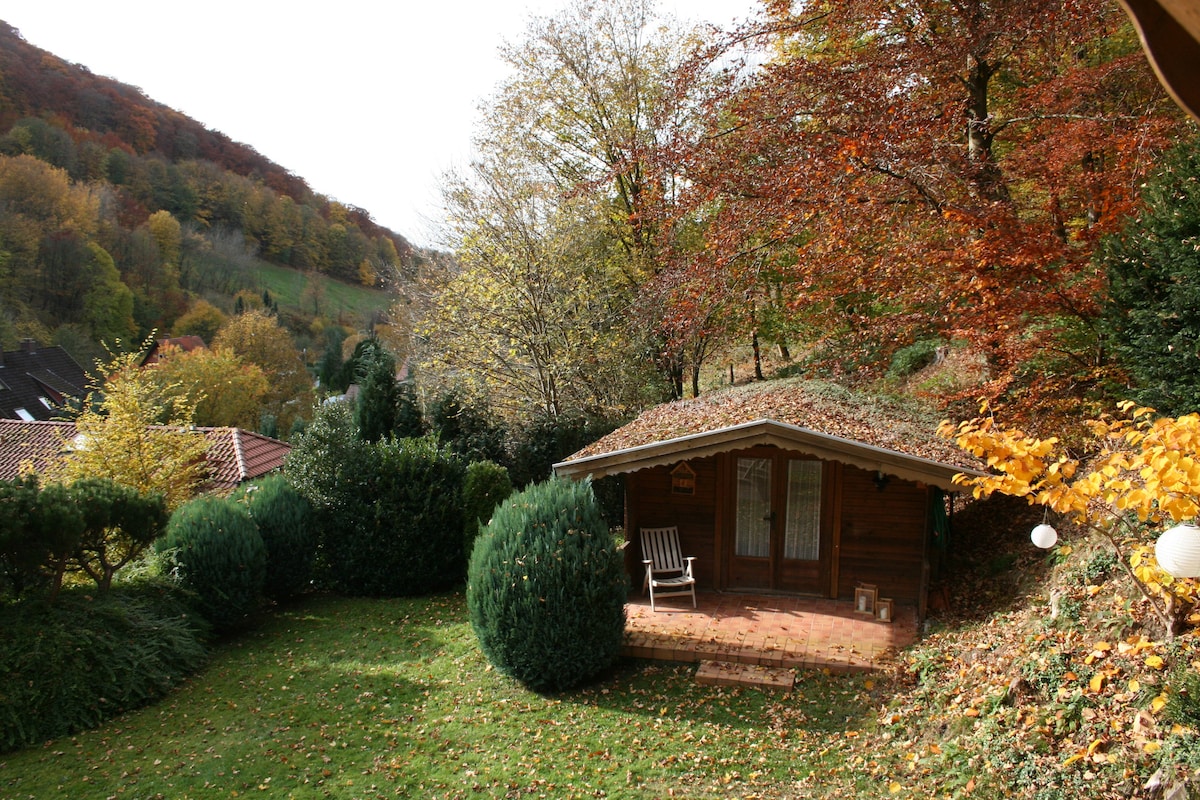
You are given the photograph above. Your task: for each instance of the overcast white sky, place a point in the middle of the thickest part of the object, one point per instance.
(369, 101)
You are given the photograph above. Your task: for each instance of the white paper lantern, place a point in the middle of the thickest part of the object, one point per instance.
(1178, 551)
(1044, 536)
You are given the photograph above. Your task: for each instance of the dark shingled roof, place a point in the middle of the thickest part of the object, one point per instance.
(32, 373)
(234, 455)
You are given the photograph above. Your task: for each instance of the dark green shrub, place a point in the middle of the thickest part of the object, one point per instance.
(389, 513)
(543, 443)
(913, 358)
(40, 530)
(215, 549)
(464, 427)
(486, 484)
(285, 521)
(407, 536)
(71, 664)
(546, 587)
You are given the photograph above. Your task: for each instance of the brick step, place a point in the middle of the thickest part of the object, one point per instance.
(724, 673)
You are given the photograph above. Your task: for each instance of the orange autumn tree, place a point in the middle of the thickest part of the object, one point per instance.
(1144, 476)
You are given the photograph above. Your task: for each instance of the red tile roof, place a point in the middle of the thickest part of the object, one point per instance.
(234, 455)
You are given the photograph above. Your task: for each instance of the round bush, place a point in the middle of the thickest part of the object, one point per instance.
(546, 587)
(214, 547)
(285, 521)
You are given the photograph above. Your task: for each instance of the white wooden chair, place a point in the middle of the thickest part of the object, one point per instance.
(666, 569)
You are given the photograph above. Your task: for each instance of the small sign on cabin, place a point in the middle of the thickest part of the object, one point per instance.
(683, 479)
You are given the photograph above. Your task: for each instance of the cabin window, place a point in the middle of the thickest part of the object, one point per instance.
(802, 536)
(753, 534)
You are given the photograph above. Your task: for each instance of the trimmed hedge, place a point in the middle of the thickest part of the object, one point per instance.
(546, 587)
(71, 664)
(486, 484)
(402, 534)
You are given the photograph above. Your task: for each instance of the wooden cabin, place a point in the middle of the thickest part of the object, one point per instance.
(771, 505)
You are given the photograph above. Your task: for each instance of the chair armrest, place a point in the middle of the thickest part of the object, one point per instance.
(647, 561)
(688, 569)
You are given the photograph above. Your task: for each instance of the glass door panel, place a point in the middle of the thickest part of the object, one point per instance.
(802, 531)
(753, 531)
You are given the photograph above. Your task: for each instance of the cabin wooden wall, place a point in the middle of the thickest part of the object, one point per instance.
(882, 535)
(650, 503)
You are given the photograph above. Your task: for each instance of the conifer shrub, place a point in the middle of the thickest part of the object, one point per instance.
(546, 587)
(285, 521)
(406, 538)
(486, 484)
(70, 664)
(214, 548)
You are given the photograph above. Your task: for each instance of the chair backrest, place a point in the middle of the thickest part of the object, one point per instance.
(661, 547)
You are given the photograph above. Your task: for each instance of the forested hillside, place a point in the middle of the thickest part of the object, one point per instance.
(118, 214)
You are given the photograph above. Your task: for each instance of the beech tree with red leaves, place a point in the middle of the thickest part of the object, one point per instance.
(901, 170)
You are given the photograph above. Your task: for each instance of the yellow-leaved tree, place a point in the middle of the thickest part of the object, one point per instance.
(120, 435)
(1145, 475)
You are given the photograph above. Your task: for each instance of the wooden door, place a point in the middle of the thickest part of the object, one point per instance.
(780, 536)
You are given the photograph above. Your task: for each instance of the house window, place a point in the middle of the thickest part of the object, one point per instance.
(23, 414)
(46, 403)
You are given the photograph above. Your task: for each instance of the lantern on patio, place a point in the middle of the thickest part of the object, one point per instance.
(1178, 551)
(1044, 536)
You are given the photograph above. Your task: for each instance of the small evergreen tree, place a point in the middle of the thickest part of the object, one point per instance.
(410, 423)
(486, 484)
(215, 549)
(546, 587)
(1153, 268)
(285, 521)
(378, 396)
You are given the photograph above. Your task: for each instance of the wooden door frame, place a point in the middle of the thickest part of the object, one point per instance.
(831, 517)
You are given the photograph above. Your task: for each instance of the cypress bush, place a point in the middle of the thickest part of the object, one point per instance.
(215, 549)
(546, 587)
(71, 664)
(285, 521)
(486, 484)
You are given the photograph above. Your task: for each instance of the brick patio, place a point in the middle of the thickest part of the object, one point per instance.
(768, 630)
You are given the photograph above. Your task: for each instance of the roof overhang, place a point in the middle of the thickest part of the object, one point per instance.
(764, 432)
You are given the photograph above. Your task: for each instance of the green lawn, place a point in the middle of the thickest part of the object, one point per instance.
(392, 698)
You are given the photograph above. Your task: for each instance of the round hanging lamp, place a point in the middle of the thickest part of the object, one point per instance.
(1044, 536)
(1178, 551)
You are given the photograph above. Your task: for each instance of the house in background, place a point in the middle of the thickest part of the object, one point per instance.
(36, 382)
(185, 343)
(234, 455)
(787, 486)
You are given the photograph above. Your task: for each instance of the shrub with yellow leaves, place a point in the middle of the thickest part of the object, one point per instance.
(1145, 474)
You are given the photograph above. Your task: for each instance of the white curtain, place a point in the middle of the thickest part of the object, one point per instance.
(802, 536)
(753, 536)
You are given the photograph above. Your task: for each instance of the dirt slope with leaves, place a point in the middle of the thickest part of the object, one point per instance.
(1043, 676)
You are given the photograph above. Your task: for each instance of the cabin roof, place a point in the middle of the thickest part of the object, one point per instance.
(893, 436)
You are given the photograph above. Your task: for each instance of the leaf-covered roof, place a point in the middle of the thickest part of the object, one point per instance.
(895, 424)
